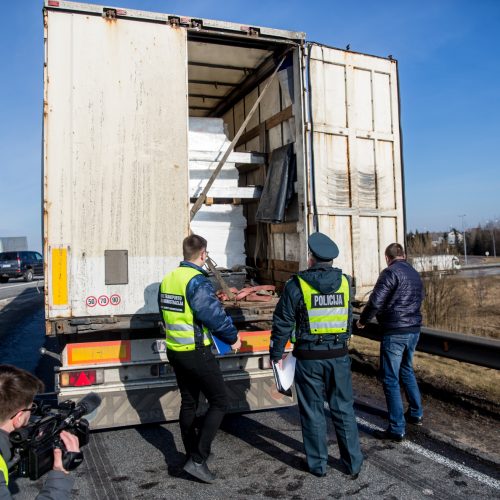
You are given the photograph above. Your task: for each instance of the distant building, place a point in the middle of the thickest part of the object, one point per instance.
(13, 243)
(454, 237)
(439, 241)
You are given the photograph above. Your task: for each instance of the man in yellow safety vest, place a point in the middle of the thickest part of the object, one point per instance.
(191, 315)
(314, 312)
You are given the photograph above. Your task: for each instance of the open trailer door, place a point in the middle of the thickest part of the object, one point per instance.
(115, 160)
(355, 163)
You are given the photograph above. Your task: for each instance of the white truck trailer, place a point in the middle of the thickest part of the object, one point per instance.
(431, 263)
(120, 88)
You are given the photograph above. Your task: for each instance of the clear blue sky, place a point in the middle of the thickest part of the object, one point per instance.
(449, 63)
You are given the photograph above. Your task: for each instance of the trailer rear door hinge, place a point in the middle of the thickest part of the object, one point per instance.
(251, 30)
(174, 21)
(110, 13)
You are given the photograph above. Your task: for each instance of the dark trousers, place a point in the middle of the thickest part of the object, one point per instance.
(198, 371)
(327, 379)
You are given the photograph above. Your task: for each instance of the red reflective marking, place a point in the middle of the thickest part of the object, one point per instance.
(81, 379)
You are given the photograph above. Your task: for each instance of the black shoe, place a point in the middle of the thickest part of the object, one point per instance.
(413, 420)
(199, 471)
(354, 476)
(209, 460)
(389, 436)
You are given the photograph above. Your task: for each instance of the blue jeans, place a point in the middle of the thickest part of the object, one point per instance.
(396, 365)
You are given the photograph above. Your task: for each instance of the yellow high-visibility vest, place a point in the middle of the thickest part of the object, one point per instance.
(4, 469)
(328, 312)
(176, 312)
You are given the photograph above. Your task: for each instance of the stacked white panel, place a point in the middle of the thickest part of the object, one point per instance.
(223, 225)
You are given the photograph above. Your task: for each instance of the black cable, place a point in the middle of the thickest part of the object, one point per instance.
(313, 184)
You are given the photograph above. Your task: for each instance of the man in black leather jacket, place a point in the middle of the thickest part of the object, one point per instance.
(396, 301)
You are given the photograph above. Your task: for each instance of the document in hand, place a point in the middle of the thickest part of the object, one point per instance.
(220, 346)
(284, 372)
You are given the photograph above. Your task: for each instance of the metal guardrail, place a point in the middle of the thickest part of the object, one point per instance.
(472, 349)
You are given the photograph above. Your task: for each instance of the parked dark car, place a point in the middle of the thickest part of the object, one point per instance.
(20, 265)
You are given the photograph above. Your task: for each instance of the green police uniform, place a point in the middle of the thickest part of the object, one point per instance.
(315, 309)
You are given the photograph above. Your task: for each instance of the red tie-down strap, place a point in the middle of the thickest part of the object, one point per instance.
(260, 293)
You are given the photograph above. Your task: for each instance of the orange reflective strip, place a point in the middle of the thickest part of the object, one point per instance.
(257, 341)
(59, 276)
(89, 353)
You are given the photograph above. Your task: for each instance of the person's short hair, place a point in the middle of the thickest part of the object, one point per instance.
(316, 260)
(192, 246)
(17, 390)
(394, 250)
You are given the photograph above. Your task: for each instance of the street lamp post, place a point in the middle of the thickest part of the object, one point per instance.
(493, 236)
(465, 239)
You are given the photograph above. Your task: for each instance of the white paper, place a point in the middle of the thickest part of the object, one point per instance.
(287, 371)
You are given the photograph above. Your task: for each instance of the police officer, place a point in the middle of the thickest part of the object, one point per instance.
(314, 311)
(191, 313)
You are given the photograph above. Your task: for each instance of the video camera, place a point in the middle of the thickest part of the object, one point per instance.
(34, 444)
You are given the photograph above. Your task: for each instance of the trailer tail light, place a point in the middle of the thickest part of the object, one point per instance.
(81, 378)
(53, 3)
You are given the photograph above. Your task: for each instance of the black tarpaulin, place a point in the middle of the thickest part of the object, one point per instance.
(278, 188)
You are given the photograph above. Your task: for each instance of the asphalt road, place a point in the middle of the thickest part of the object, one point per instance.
(256, 455)
(14, 288)
(477, 273)
(259, 455)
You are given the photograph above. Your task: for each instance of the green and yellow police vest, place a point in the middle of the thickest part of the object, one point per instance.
(4, 469)
(176, 312)
(328, 312)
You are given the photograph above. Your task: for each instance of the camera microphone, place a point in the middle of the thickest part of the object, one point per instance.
(86, 405)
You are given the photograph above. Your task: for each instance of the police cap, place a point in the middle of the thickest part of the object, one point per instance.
(322, 247)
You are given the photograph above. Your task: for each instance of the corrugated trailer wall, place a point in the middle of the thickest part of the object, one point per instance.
(357, 168)
(115, 162)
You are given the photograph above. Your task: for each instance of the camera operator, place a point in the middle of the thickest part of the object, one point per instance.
(17, 391)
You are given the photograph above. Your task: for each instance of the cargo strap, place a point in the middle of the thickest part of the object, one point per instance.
(260, 293)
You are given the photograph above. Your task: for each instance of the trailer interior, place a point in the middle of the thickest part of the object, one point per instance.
(226, 75)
